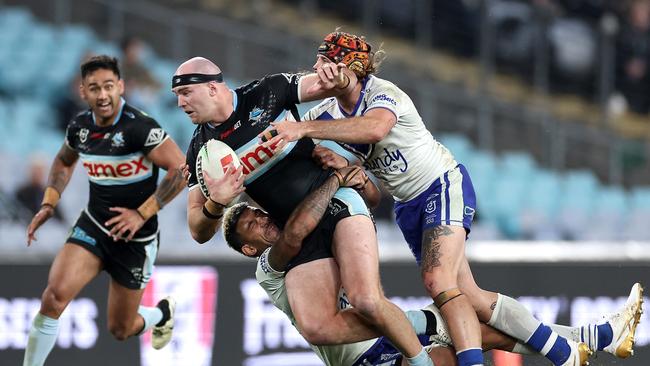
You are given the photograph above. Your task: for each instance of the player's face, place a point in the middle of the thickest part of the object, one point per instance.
(195, 100)
(321, 60)
(256, 229)
(102, 90)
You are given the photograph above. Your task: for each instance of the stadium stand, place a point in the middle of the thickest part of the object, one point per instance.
(518, 199)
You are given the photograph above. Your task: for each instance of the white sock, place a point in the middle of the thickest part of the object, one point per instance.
(151, 317)
(42, 337)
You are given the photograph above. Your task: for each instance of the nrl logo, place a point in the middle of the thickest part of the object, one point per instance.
(83, 135)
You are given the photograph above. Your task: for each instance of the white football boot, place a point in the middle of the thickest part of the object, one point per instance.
(442, 333)
(624, 323)
(580, 353)
(161, 335)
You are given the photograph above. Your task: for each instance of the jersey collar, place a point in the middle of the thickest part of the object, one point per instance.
(361, 95)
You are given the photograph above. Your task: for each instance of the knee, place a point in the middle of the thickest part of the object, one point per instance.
(53, 302)
(368, 304)
(317, 334)
(119, 330)
(435, 283)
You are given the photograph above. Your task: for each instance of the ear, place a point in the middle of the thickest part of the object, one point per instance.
(120, 85)
(214, 89)
(82, 91)
(249, 250)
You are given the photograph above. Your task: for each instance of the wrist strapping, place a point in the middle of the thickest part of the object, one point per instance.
(149, 208)
(51, 197)
(213, 209)
(343, 81)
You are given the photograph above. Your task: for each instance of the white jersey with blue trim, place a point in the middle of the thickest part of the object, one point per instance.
(272, 282)
(408, 159)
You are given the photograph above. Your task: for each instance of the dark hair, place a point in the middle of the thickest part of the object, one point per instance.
(100, 62)
(229, 225)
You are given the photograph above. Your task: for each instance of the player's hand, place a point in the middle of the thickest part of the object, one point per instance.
(353, 176)
(39, 219)
(332, 76)
(328, 158)
(128, 220)
(283, 132)
(186, 172)
(228, 187)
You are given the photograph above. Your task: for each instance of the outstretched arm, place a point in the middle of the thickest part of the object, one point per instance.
(307, 215)
(60, 174)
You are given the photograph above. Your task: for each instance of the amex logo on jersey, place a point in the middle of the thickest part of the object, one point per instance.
(117, 170)
(257, 158)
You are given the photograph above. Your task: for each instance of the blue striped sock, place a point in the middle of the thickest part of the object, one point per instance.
(605, 336)
(550, 344)
(470, 357)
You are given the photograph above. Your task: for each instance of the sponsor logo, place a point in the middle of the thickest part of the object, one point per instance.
(118, 140)
(118, 169)
(195, 290)
(77, 325)
(383, 98)
(389, 162)
(79, 234)
(253, 158)
(155, 136)
(83, 135)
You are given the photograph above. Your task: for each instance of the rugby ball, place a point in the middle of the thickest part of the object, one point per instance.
(214, 157)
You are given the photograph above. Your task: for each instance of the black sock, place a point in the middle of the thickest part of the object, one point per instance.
(432, 323)
(163, 305)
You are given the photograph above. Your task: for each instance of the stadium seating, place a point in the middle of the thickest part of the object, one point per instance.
(516, 198)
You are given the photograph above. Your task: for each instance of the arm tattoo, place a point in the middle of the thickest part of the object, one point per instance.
(431, 246)
(61, 171)
(310, 211)
(169, 187)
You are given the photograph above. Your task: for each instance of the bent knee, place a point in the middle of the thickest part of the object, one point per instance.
(436, 284)
(53, 302)
(367, 304)
(119, 331)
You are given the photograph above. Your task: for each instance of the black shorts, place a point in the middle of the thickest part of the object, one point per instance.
(129, 263)
(318, 244)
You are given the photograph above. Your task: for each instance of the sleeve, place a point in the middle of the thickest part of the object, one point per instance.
(190, 160)
(146, 135)
(285, 87)
(272, 281)
(70, 133)
(387, 97)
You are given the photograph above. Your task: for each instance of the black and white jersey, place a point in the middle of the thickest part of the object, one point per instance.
(115, 160)
(277, 179)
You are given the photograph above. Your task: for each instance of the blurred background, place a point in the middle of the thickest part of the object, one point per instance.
(546, 102)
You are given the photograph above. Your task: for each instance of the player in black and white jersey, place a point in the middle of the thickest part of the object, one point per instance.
(278, 179)
(121, 149)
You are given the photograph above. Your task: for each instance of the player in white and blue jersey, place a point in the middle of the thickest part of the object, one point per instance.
(121, 149)
(435, 205)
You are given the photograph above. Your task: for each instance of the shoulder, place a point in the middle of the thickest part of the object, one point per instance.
(383, 91)
(325, 107)
(264, 270)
